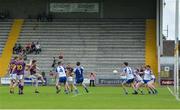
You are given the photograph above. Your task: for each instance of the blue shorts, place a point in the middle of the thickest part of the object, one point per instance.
(79, 81)
(129, 81)
(62, 79)
(146, 81)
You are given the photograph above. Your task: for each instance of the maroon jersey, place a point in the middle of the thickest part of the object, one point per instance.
(12, 65)
(33, 69)
(70, 69)
(20, 67)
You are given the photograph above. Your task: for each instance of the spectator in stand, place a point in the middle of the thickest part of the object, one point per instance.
(15, 49)
(38, 48)
(23, 53)
(28, 47)
(92, 78)
(54, 63)
(33, 47)
(19, 48)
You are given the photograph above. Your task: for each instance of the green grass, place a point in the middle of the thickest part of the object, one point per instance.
(98, 98)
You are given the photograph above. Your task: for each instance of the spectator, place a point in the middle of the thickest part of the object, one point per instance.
(19, 48)
(92, 78)
(54, 62)
(38, 48)
(15, 49)
(23, 53)
(44, 77)
(28, 47)
(33, 47)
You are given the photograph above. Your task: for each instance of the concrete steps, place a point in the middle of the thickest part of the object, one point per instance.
(4, 31)
(100, 45)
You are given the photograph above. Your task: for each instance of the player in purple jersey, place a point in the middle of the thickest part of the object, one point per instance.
(19, 70)
(34, 71)
(70, 79)
(12, 75)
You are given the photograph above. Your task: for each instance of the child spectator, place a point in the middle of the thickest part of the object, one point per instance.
(92, 78)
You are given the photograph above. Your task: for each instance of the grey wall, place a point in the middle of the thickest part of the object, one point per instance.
(23, 8)
(130, 8)
(108, 8)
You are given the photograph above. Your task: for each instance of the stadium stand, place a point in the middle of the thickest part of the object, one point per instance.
(4, 31)
(101, 45)
(6, 55)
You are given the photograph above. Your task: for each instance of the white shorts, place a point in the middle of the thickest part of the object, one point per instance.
(70, 80)
(20, 77)
(13, 76)
(140, 81)
(36, 76)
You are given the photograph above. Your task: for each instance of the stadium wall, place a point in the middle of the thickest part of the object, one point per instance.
(107, 8)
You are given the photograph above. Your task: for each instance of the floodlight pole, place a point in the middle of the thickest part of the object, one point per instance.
(176, 69)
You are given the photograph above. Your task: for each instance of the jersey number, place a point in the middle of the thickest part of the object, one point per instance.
(19, 67)
(12, 66)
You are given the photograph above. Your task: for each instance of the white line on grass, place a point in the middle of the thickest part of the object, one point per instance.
(80, 94)
(87, 109)
(173, 94)
(170, 91)
(76, 95)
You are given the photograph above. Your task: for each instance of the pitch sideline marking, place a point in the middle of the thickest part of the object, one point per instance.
(170, 91)
(80, 94)
(173, 93)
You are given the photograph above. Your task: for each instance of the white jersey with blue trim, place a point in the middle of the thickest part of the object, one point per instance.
(61, 71)
(153, 76)
(147, 75)
(129, 73)
(137, 76)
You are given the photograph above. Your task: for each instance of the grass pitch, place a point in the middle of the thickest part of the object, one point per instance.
(98, 98)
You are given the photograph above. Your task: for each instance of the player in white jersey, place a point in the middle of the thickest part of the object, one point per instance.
(149, 80)
(138, 81)
(61, 78)
(127, 71)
